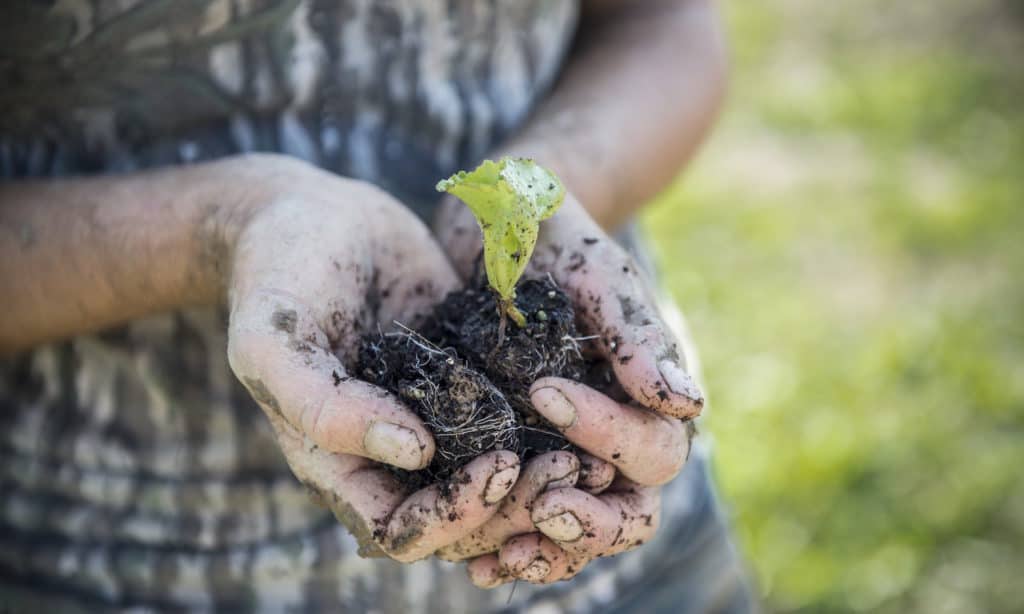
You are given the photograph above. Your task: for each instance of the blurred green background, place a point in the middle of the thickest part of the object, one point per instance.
(848, 249)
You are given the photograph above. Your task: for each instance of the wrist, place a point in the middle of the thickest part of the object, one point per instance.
(104, 250)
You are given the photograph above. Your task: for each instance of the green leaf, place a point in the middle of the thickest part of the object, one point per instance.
(509, 199)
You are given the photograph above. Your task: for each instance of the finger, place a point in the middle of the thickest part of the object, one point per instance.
(534, 558)
(590, 526)
(486, 572)
(279, 354)
(645, 446)
(361, 495)
(599, 526)
(557, 469)
(369, 500)
(596, 475)
(639, 508)
(444, 513)
(613, 301)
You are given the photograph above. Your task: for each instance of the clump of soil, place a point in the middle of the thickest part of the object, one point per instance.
(548, 344)
(471, 390)
(467, 414)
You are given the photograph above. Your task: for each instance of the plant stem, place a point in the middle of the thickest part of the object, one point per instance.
(509, 307)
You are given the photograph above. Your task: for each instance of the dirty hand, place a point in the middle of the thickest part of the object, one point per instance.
(633, 446)
(314, 261)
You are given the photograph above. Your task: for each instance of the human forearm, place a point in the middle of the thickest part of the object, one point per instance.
(637, 97)
(78, 255)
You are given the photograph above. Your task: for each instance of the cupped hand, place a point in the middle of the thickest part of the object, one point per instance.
(315, 261)
(612, 297)
(566, 511)
(545, 533)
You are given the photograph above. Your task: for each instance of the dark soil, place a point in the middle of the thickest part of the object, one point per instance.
(470, 391)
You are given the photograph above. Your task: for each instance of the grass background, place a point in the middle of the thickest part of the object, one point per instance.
(848, 249)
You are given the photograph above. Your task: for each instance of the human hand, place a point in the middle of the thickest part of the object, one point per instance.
(583, 508)
(315, 260)
(642, 439)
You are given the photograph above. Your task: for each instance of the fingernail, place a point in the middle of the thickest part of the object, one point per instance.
(499, 484)
(553, 405)
(678, 381)
(394, 445)
(565, 527)
(536, 571)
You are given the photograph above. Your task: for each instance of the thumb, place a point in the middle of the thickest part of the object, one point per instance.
(278, 352)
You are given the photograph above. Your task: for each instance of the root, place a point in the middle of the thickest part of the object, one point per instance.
(468, 375)
(466, 413)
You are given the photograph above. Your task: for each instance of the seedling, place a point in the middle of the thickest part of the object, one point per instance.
(467, 381)
(509, 199)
